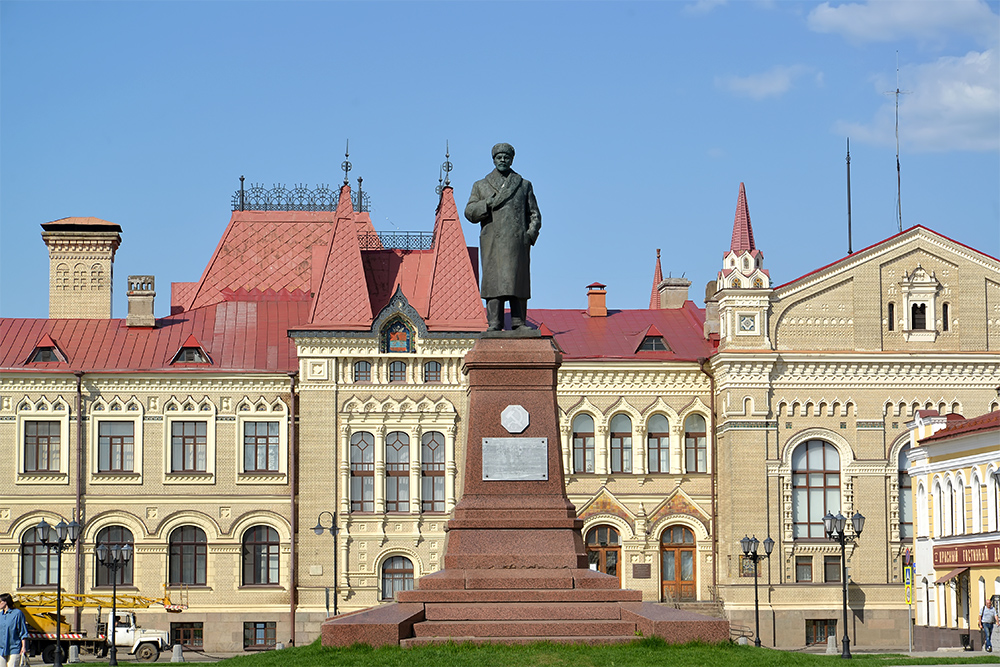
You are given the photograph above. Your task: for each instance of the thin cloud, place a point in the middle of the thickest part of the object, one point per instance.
(773, 83)
(951, 104)
(892, 20)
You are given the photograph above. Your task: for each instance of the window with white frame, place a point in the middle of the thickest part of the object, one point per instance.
(658, 444)
(621, 444)
(397, 575)
(695, 444)
(362, 472)
(432, 448)
(815, 487)
(583, 443)
(397, 472)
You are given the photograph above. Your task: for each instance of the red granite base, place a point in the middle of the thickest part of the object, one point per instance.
(516, 568)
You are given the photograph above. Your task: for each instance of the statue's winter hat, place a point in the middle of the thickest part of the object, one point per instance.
(503, 148)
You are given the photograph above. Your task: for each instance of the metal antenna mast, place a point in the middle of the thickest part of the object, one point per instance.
(849, 249)
(897, 93)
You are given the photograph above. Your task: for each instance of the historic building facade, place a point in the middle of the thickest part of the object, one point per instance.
(313, 375)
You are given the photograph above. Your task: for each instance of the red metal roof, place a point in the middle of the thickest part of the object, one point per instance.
(618, 335)
(243, 336)
(742, 231)
(987, 422)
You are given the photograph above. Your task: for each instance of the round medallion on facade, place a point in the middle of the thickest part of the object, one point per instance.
(514, 418)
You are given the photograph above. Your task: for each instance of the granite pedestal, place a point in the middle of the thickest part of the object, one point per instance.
(515, 566)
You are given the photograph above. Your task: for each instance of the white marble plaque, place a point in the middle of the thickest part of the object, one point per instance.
(515, 459)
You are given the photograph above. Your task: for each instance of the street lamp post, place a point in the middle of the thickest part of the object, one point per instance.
(836, 530)
(114, 558)
(750, 545)
(60, 537)
(319, 529)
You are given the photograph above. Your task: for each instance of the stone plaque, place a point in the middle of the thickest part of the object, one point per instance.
(515, 459)
(641, 570)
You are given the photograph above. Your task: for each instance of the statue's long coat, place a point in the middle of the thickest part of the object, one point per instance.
(506, 235)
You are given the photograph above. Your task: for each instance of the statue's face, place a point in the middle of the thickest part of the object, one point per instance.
(502, 161)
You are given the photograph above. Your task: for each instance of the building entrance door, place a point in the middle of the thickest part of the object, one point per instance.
(604, 551)
(678, 564)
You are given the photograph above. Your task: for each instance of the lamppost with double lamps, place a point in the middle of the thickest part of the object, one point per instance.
(319, 529)
(114, 558)
(60, 537)
(836, 530)
(750, 545)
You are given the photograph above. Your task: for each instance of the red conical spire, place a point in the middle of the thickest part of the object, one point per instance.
(742, 231)
(654, 297)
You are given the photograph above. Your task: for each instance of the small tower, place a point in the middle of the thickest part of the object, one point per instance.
(743, 287)
(81, 260)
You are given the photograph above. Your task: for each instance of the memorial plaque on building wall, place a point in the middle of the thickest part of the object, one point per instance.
(515, 459)
(642, 571)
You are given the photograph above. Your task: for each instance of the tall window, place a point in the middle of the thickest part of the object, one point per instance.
(944, 316)
(397, 575)
(658, 444)
(188, 556)
(188, 446)
(41, 446)
(891, 312)
(621, 444)
(397, 472)
(397, 372)
(918, 316)
(362, 472)
(949, 513)
(260, 556)
(815, 487)
(38, 565)
(432, 472)
(260, 446)
(432, 371)
(695, 444)
(939, 511)
(362, 372)
(905, 497)
(115, 446)
(114, 536)
(583, 444)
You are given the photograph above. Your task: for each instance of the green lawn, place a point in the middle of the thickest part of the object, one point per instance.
(651, 652)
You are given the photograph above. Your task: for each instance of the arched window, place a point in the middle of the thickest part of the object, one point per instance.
(938, 509)
(992, 494)
(260, 556)
(905, 497)
(604, 551)
(432, 471)
(695, 444)
(658, 444)
(583, 444)
(945, 316)
(362, 372)
(949, 513)
(432, 372)
(959, 508)
(397, 472)
(923, 529)
(918, 316)
(677, 574)
(397, 372)
(815, 487)
(362, 472)
(891, 313)
(38, 564)
(397, 575)
(114, 536)
(188, 556)
(977, 504)
(621, 444)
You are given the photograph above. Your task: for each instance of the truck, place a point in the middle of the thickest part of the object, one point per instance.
(40, 615)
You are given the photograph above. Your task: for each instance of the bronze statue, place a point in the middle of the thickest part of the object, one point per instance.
(504, 205)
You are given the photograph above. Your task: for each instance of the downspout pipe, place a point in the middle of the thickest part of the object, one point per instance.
(702, 363)
(78, 549)
(292, 495)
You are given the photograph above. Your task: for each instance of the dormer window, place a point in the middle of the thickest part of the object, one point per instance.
(653, 344)
(190, 355)
(45, 354)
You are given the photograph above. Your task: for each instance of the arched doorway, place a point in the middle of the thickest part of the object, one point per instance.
(678, 564)
(604, 551)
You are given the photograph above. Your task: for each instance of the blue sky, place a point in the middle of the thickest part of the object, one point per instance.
(636, 123)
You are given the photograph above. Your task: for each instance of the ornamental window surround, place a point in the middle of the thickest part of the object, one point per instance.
(116, 440)
(583, 444)
(44, 443)
(188, 556)
(815, 487)
(189, 454)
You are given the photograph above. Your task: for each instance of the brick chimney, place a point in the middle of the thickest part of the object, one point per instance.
(673, 292)
(141, 292)
(81, 263)
(597, 300)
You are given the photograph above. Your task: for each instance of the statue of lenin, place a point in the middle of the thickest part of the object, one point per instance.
(504, 205)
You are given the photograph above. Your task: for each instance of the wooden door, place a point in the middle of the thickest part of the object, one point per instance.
(604, 551)
(677, 567)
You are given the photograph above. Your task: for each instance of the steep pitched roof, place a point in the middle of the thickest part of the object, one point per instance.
(453, 292)
(341, 299)
(654, 297)
(742, 231)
